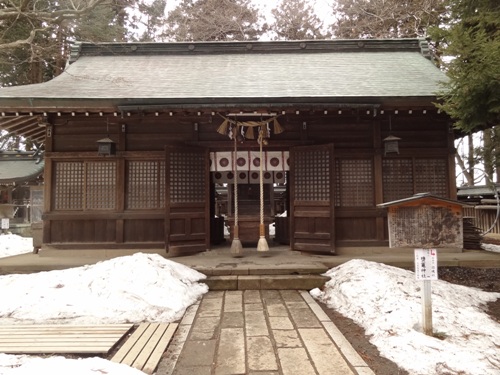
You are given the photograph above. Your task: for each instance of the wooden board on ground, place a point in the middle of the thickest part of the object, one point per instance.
(144, 348)
(61, 339)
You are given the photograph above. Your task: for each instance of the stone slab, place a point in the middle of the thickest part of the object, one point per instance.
(294, 361)
(231, 352)
(260, 354)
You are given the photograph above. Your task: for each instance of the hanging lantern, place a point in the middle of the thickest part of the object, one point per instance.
(391, 145)
(106, 147)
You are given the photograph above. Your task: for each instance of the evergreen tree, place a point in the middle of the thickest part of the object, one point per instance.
(472, 94)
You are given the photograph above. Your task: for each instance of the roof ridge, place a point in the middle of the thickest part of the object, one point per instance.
(79, 48)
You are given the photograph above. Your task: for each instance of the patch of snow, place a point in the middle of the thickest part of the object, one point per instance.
(386, 302)
(12, 244)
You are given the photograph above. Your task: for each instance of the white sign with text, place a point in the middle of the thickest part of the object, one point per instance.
(426, 265)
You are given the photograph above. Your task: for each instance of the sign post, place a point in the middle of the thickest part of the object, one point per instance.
(5, 223)
(426, 270)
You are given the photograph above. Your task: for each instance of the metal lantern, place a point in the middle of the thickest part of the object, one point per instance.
(106, 147)
(391, 145)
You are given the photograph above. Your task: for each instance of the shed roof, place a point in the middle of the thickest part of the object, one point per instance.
(19, 166)
(114, 74)
(424, 197)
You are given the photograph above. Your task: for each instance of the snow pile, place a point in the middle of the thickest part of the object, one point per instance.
(25, 365)
(386, 302)
(12, 244)
(131, 289)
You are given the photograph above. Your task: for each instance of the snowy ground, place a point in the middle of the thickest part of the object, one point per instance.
(12, 244)
(131, 289)
(383, 299)
(386, 302)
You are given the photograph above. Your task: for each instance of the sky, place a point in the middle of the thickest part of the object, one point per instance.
(385, 300)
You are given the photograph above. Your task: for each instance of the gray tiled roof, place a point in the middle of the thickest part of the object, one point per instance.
(19, 167)
(258, 75)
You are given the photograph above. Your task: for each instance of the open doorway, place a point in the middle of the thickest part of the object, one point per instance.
(275, 210)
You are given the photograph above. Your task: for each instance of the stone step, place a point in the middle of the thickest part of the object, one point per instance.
(265, 282)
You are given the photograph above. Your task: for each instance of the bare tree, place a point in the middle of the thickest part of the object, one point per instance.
(386, 18)
(296, 20)
(214, 20)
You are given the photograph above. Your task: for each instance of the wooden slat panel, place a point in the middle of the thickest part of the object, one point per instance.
(136, 349)
(144, 348)
(155, 357)
(40, 339)
(122, 353)
(149, 346)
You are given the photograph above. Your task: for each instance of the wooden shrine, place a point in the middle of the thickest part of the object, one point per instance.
(139, 141)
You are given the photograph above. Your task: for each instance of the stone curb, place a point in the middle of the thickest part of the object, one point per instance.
(345, 347)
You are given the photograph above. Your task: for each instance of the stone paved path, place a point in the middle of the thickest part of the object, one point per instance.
(265, 332)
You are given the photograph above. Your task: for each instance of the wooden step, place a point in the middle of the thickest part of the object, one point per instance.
(144, 348)
(61, 339)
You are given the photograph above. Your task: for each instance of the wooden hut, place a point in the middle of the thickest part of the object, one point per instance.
(135, 136)
(21, 179)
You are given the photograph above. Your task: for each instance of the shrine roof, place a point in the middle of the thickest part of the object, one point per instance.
(109, 75)
(421, 198)
(19, 166)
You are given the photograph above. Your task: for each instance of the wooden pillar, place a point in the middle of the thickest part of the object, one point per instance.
(452, 183)
(120, 199)
(47, 198)
(377, 171)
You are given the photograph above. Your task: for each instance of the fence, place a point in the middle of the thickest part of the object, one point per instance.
(484, 217)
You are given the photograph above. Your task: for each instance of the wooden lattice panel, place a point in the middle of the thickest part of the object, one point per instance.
(145, 184)
(312, 176)
(100, 189)
(354, 183)
(397, 177)
(187, 182)
(430, 176)
(68, 177)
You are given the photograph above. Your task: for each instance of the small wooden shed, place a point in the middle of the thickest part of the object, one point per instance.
(425, 221)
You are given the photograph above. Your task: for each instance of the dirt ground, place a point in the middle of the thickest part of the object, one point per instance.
(487, 279)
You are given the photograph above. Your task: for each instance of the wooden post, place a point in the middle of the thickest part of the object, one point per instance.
(425, 271)
(427, 307)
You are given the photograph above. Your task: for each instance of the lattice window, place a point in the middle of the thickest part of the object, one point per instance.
(68, 178)
(100, 185)
(187, 182)
(84, 185)
(397, 179)
(312, 175)
(403, 178)
(145, 184)
(430, 176)
(354, 183)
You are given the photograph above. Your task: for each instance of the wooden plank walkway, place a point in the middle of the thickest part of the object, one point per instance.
(144, 348)
(56, 338)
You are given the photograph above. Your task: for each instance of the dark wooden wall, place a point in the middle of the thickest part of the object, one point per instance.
(356, 134)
